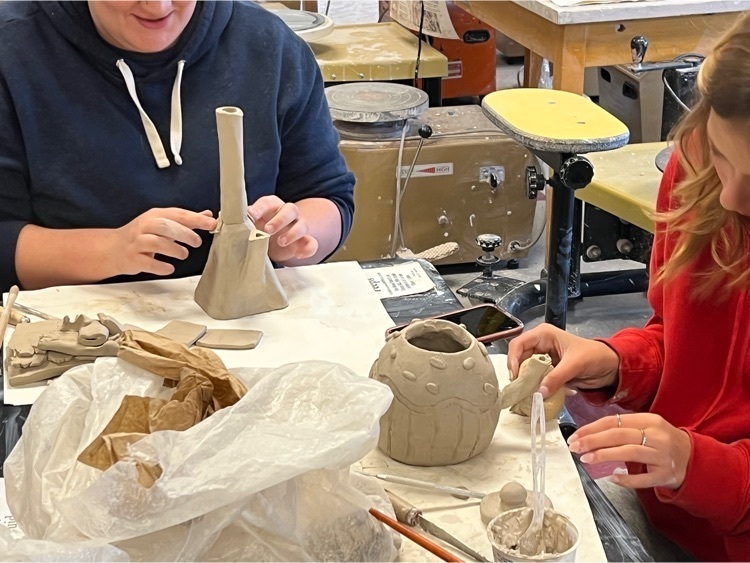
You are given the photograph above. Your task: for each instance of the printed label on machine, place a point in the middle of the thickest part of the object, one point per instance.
(424, 170)
(399, 280)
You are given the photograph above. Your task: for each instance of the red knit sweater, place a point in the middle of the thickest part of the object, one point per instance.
(691, 365)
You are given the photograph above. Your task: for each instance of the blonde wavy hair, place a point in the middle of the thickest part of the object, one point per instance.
(699, 220)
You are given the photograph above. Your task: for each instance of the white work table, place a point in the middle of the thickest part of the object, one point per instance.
(334, 315)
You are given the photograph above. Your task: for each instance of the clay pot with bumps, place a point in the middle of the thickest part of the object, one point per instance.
(446, 402)
(445, 406)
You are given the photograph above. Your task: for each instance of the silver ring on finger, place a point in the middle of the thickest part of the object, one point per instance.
(643, 437)
(619, 420)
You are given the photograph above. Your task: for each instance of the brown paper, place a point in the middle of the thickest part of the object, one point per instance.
(203, 386)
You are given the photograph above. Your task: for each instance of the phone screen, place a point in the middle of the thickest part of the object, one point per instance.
(483, 321)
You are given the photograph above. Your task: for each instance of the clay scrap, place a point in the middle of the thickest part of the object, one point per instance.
(535, 369)
(238, 279)
(230, 339)
(204, 386)
(183, 332)
(47, 349)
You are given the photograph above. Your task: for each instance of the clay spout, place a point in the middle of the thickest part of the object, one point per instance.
(529, 378)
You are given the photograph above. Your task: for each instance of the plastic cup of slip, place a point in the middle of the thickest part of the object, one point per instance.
(561, 536)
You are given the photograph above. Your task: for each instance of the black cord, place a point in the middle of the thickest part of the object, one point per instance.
(328, 5)
(419, 44)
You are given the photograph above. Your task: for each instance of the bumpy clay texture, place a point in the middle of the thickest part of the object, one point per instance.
(445, 406)
(239, 279)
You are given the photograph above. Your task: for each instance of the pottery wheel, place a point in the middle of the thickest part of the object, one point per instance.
(310, 26)
(375, 102)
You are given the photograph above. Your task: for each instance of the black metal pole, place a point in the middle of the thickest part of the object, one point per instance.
(558, 254)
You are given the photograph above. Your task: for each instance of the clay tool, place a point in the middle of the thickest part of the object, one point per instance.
(16, 317)
(455, 491)
(531, 541)
(5, 317)
(34, 312)
(410, 515)
(419, 539)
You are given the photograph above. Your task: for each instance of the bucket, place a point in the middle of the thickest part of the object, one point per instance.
(561, 536)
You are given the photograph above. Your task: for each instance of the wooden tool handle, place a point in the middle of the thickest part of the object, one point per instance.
(419, 539)
(406, 513)
(5, 317)
(16, 317)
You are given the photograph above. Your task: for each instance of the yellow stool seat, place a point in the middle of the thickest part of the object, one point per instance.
(554, 121)
(626, 183)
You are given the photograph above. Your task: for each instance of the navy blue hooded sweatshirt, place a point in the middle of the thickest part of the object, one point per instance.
(74, 151)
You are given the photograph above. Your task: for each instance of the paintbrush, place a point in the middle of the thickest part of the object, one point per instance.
(419, 539)
(5, 317)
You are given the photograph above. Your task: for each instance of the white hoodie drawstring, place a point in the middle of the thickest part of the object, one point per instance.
(175, 130)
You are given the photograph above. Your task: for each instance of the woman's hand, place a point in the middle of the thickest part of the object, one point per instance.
(579, 362)
(640, 438)
(288, 229)
(158, 231)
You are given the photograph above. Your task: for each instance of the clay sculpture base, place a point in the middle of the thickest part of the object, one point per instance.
(536, 368)
(238, 279)
(47, 349)
(513, 495)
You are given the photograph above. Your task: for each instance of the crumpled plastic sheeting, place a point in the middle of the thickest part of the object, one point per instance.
(267, 478)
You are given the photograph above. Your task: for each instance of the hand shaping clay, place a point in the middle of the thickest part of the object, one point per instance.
(532, 369)
(46, 349)
(513, 495)
(239, 279)
(183, 332)
(230, 339)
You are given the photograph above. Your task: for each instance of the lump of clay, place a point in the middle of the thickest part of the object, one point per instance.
(537, 367)
(46, 349)
(445, 407)
(238, 279)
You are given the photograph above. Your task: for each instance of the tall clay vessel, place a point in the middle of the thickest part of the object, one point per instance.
(239, 279)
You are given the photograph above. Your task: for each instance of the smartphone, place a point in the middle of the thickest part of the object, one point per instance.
(486, 322)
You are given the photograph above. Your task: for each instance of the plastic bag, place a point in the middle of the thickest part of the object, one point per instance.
(265, 479)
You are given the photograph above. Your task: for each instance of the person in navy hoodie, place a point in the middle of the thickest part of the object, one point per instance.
(109, 165)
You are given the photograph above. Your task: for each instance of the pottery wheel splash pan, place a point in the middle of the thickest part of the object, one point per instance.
(367, 109)
(310, 26)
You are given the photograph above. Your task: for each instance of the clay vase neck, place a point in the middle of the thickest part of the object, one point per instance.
(232, 167)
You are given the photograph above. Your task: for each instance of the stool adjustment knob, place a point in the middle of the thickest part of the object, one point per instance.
(576, 172)
(535, 182)
(488, 243)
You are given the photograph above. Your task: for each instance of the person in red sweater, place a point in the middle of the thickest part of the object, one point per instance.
(687, 372)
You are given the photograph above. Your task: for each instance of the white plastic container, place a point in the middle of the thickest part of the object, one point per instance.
(505, 529)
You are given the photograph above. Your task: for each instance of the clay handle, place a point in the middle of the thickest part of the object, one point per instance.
(231, 165)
